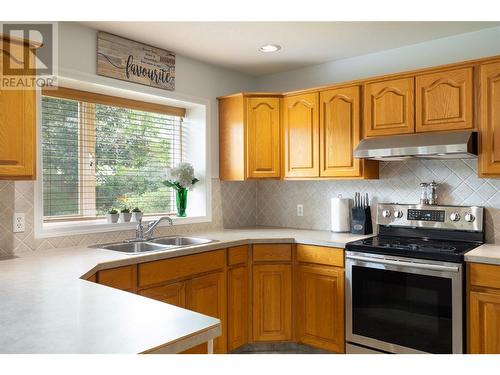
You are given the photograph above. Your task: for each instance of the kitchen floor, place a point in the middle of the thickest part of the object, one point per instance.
(278, 348)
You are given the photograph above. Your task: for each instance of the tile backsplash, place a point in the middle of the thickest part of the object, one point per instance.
(274, 202)
(399, 182)
(19, 197)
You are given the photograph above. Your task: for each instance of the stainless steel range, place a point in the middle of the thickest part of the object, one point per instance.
(405, 286)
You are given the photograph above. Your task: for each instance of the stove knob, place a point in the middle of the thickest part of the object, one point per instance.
(386, 213)
(398, 214)
(469, 218)
(455, 216)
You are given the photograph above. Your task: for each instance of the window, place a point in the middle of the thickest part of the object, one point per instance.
(101, 152)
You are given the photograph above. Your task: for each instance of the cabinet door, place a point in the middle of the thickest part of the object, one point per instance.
(124, 278)
(484, 323)
(174, 294)
(339, 132)
(237, 303)
(272, 302)
(489, 157)
(389, 107)
(320, 309)
(263, 137)
(17, 127)
(207, 295)
(444, 101)
(301, 135)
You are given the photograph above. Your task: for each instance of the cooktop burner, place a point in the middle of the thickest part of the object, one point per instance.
(414, 247)
(443, 233)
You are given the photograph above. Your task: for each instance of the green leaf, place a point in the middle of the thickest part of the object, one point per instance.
(194, 181)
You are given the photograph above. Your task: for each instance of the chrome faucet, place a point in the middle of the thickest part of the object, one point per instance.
(144, 235)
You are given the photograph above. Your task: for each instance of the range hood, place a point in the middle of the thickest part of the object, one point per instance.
(446, 145)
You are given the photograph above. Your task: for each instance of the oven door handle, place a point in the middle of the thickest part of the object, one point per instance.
(432, 267)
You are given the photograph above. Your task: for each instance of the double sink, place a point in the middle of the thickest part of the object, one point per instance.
(156, 244)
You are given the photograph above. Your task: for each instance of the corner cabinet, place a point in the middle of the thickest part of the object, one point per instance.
(301, 135)
(17, 128)
(444, 100)
(489, 157)
(272, 292)
(249, 137)
(340, 133)
(389, 107)
(320, 297)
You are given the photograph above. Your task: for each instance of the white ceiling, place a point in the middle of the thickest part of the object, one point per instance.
(235, 45)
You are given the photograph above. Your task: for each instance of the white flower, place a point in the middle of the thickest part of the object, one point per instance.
(183, 174)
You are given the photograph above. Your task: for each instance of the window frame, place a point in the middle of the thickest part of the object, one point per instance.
(197, 114)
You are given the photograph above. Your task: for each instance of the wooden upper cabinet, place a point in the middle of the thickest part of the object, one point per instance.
(389, 107)
(17, 127)
(489, 157)
(301, 135)
(231, 138)
(263, 137)
(484, 325)
(249, 137)
(340, 133)
(444, 100)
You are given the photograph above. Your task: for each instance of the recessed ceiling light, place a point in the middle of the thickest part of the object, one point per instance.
(270, 48)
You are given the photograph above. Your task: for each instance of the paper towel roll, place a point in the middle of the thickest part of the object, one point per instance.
(341, 214)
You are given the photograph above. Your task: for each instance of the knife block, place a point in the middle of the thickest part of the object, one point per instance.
(361, 220)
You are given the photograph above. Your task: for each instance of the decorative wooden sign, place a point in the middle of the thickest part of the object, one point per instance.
(132, 61)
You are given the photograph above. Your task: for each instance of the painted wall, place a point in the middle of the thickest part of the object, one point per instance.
(461, 47)
(194, 79)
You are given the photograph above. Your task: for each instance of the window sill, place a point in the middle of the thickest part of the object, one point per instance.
(68, 228)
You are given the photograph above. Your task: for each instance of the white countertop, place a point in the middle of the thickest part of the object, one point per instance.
(487, 253)
(46, 308)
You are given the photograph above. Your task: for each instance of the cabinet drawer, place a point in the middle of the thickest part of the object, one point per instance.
(175, 268)
(330, 256)
(120, 278)
(272, 252)
(485, 275)
(237, 255)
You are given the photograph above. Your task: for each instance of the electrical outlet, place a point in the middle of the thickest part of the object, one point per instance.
(19, 224)
(300, 210)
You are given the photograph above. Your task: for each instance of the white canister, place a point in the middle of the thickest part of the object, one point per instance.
(341, 214)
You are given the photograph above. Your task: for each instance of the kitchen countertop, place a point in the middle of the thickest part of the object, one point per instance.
(47, 307)
(487, 253)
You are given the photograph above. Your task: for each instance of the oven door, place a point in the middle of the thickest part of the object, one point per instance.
(402, 305)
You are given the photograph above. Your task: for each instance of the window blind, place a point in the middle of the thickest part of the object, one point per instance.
(97, 156)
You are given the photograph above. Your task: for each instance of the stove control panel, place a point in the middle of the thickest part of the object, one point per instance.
(438, 217)
(426, 215)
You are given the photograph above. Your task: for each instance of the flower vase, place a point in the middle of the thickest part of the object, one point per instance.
(181, 201)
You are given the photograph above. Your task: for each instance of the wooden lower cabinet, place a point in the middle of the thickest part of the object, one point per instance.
(484, 324)
(272, 302)
(320, 307)
(207, 295)
(250, 292)
(484, 308)
(237, 307)
(174, 294)
(124, 278)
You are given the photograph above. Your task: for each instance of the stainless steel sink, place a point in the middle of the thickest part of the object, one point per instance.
(157, 244)
(178, 241)
(134, 247)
